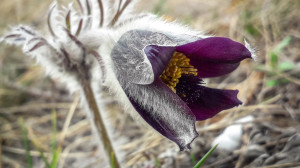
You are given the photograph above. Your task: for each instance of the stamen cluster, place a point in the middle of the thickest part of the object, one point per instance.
(178, 65)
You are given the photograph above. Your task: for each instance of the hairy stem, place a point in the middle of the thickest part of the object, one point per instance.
(99, 124)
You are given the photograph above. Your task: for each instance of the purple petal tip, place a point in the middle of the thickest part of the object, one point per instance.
(215, 56)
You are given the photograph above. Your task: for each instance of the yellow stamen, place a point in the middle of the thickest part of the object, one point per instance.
(178, 65)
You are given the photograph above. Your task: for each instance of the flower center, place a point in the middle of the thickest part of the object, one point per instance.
(179, 64)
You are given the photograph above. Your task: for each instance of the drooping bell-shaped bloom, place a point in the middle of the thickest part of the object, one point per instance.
(163, 79)
(153, 66)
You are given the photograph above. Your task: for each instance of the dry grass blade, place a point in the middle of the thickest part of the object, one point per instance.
(33, 107)
(67, 149)
(35, 153)
(68, 120)
(290, 78)
(11, 162)
(37, 140)
(296, 164)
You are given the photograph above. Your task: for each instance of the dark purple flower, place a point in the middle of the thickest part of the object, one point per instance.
(163, 79)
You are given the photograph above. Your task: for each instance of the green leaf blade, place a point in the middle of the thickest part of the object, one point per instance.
(55, 149)
(201, 162)
(274, 60)
(285, 42)
(285, 66)
(26, 143)
(271, 83)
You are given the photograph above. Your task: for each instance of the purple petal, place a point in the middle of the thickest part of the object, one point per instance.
(159, 57)
(162, 109)
(205, 102)
(214, 56)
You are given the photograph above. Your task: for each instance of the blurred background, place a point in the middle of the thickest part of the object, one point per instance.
(38, 117)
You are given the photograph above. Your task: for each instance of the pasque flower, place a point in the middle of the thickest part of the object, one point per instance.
(162, 78)
(154, 67)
